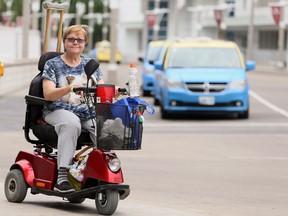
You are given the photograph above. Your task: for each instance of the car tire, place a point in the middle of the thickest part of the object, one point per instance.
(145, 93)
(156, 102)
(244, 115)
(164, 113)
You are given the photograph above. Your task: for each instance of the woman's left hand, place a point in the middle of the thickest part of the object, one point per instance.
(117, 93)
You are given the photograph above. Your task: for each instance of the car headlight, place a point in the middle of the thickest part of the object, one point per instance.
(114, 164)
(238, 84)
(149, 71)
(173, 84)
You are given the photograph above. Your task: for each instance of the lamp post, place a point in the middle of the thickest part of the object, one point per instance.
(154, 18)
(6, 16)
(251, 32)
(112, 67)
(197, 19)
(278, 16)
(179, 5)
(26, 23)
(91, 24)
(80, 7)
(156, 26)
(35, 7)
(105, 19)
(219, 14)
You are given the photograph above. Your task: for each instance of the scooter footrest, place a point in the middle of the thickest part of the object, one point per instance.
(123, 190)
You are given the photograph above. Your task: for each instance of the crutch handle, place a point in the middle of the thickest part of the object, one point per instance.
(55, 6)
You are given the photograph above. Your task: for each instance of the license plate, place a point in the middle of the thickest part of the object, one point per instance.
(206, 100)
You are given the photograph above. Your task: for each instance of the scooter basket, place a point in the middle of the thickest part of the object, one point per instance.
(119, 127)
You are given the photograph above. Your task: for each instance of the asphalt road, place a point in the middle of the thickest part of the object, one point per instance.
(188, 166)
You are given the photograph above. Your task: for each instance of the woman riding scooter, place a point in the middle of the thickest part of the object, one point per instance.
(67, 113)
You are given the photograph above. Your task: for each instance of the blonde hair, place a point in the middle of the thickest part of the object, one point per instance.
(76, 28)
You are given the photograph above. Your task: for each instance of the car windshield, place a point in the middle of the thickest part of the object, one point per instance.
(153, 51)
(204, 57)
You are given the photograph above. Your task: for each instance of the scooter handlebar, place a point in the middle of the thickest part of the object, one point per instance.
(84, 89)
(122, 90)
(93, 89)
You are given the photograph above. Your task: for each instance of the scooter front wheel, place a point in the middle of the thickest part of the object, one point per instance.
(15, 186)
(106, 202)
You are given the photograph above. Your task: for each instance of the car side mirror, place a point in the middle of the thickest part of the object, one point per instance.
(158, 65)
(250, 65)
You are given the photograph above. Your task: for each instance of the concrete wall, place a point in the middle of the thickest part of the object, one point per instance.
(17, 76)
(11, 44)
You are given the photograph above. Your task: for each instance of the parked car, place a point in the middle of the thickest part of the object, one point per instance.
(147, 75)
(204, 75)
(157, 74)
(102, 52)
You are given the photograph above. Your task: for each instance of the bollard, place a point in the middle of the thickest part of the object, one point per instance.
(1, 69)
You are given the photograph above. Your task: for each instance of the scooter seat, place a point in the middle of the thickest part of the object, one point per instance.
(47, 134)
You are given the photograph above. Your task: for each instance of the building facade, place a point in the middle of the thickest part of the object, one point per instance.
(192, 18)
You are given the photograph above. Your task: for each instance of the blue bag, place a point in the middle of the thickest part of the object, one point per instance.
(134, 105)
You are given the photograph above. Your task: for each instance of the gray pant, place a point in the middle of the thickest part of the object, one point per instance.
(68, 128)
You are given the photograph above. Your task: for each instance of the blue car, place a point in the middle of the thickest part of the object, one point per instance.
(203, 75)
(157, 74)
(147, 75)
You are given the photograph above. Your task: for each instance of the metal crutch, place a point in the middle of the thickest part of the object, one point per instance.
(49, 6)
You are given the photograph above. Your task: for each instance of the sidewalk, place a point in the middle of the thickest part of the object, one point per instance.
(17, 76)
(270, 69)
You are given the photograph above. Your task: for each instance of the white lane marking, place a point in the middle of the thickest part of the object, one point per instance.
(216, 124)
(268, 104)
(258, 158)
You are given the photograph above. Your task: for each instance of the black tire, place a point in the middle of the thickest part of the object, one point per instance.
(15, 186)
(146, 93)
(77, 200)
(244, 115)
(164, 113)
(109, 202)
(156, 102)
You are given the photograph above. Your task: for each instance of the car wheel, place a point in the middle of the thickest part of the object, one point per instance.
(156, 102)
(244, 115)
(164, 113)
(145, 93)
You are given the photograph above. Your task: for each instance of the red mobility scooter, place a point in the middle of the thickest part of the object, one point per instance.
(102, 177)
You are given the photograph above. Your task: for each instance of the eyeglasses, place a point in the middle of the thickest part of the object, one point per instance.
(79, 40)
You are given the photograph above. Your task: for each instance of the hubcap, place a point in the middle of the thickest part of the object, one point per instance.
(12, 186)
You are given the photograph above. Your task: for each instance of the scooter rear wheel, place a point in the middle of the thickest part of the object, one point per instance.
(106, 202)
(15, 186)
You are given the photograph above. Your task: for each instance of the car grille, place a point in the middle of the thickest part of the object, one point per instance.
(206, 86)
(228, 104)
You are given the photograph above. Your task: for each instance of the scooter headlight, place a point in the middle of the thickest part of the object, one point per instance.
(114, 164)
